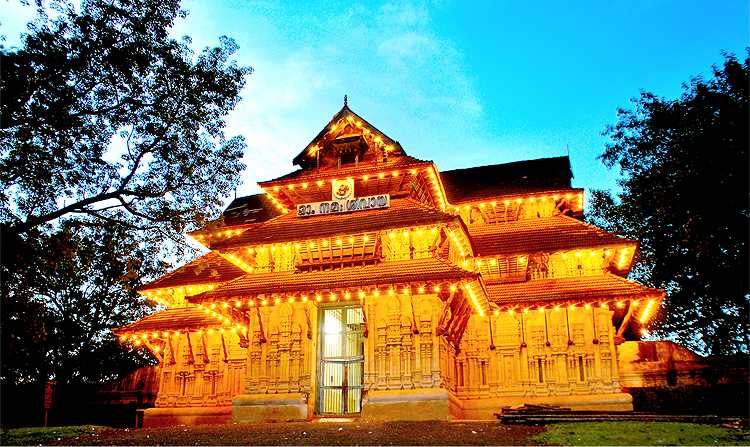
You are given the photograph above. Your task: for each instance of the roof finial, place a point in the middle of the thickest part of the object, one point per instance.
(346, 101)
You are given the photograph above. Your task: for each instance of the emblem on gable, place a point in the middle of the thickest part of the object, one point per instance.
(342, 189)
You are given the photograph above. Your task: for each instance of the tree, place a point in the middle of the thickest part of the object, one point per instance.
(106, 116)
(684, 196)
(112, 145)
(74, 286)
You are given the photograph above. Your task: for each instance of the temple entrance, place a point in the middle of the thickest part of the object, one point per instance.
(341, 366)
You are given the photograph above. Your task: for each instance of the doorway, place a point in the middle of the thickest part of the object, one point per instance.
(341, 367)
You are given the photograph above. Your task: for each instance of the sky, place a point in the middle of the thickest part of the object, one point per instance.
(459, 83)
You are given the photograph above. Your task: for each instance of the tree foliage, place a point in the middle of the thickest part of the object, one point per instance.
(684, 196)
(112, 145)
(69, 289)
(103, 112)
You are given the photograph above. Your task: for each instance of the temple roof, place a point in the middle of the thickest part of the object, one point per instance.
(251, 209)
(580, 288)
(403, 212)
(176, 318)
(404, 162)
(207, 269)
(483, 182)
(548, 234)
(341, 114)
(424, 270)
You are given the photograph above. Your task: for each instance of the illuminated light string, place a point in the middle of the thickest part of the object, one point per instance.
(142, 337)
(518, 200)
(337, 242)
(430, 171)
(587, 305)
(623, 258)
(160, 294)
(214, 308)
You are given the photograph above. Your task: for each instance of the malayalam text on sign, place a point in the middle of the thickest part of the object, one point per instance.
(344, 206)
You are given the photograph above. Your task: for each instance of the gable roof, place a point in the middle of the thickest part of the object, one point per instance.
(343, 113)
(175, 318)
(207, 269)
(547, 234)
(482, 182)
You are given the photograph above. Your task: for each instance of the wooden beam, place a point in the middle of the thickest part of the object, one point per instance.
(626, 319)
(153, 350)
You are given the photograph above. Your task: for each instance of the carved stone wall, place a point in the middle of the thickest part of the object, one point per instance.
(280, 349)
(199, 369)
(401, 350)
(556, 352)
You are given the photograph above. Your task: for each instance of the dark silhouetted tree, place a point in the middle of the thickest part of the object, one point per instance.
(684, 196)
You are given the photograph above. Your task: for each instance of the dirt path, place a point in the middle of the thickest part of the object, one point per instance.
(316, 433)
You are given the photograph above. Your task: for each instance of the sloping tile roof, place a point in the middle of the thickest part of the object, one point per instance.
(549, 234)
(393, 272)
(401, 163)
(170, 319)
(207, 269)
(251, 209)
(606, 286)
(402, 212)
(483, 182)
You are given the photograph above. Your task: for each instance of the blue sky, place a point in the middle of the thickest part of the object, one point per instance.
(459, 83)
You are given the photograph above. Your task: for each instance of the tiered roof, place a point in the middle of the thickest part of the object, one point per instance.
(400, 163)
(605, 287)
(207, 269)
(175, 318)
(520, 177)
(422, 271)
(403, 212)
(548, 234)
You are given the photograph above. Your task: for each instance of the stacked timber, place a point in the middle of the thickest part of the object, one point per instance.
(549, 414)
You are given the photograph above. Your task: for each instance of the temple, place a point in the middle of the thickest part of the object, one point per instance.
(368, 283)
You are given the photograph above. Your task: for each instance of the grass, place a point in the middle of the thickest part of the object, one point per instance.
(42, 435)
(397, 433)
(641, 433)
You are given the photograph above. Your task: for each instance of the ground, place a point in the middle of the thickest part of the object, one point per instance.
(395, 433)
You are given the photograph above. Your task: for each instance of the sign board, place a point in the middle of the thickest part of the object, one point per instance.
(49, 393)
(344, 206)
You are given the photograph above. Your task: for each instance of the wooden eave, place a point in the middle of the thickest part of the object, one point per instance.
(403, 213)
(605, 288)
(176, 318)
(315, 185)
(425, 271)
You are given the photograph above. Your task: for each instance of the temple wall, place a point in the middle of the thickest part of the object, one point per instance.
(402, 359)
(197, 380)
(570, 360)
(395, 356)
(201, 373)
(280, 364)
(280, 354)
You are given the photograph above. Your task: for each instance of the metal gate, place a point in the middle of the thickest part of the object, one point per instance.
(341, 367)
